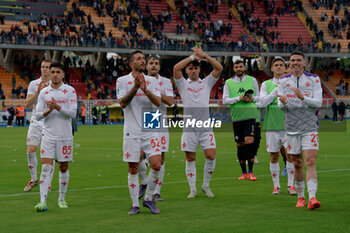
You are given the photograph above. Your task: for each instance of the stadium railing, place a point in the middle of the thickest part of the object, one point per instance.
(150, 45)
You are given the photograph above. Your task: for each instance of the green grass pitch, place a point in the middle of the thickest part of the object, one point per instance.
(99, 200)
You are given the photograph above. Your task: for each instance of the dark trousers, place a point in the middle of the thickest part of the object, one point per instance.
(335, 116)
(9, 122)
(20, 121)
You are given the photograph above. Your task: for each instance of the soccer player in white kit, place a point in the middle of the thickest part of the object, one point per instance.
(57, 105)
(167, 97)
(137, 92)
(195, 94)
(35, 127)
(274, 126)
(300, 95)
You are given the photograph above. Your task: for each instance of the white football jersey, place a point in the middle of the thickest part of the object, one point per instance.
(166, 89)
(195, 95)
(58, 124)
(133, 113)
(32, 88)
(300, 115)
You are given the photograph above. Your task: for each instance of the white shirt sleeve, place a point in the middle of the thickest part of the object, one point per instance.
(71, 111)
(181, 85)
(226, 97)
(211, 80)
(266, 99)
(256, 91)
(121, 91)
(155, 88)
(31, 88)
(280, 91)
(169, 88)
(316, 100)
(40, 107)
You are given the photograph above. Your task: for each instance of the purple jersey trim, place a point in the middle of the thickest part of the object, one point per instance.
(310, 74)
(286, 76)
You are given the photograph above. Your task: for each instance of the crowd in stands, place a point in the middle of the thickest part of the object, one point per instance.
(342, 88)
(320, 44)
(339, 21)
(76, 28)
(194, 15)
(267, 29)
(2, 19)
(101, 80)
(17, 92)
(2, 96)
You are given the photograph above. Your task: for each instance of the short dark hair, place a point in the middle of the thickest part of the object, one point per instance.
(131, 56)
(297, 53)
(153, 56)
(277, 59)
(194, 63)
(238, 62)
(58, 65)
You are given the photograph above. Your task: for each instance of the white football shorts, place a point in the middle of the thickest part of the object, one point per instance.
(300, 142)
(191, 140)
(275, 140)
(60, 150)
(164, 141)
(132, 147)
(34, 135)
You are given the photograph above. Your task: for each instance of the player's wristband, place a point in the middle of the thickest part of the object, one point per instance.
(192, 57)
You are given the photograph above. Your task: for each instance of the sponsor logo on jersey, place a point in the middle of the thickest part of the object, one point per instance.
(196, 91)
(241, 90)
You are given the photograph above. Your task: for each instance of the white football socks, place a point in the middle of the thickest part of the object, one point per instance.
(300, 187)
(51, 174)
(209, 168)
(45, 181)
(63, 184)
(151, 185)
(160, 180)
(275, 173)
(33, 165)
(191, 175)
(312, 188)
(133, 183)
(142, 172)
(290, 172)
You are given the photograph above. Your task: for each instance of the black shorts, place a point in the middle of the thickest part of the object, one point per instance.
(257, 135)
(242, 129)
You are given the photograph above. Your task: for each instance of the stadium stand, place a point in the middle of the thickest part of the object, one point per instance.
(275, 21)
(212, 21)
(332, 21)
(101, 16)
(6, 81)
(30, 10)
(75, 81)
(336, 83)
(115, 24)
(163, 14)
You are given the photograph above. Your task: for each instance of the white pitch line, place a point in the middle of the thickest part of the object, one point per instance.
(169, 182)
(79, 147)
